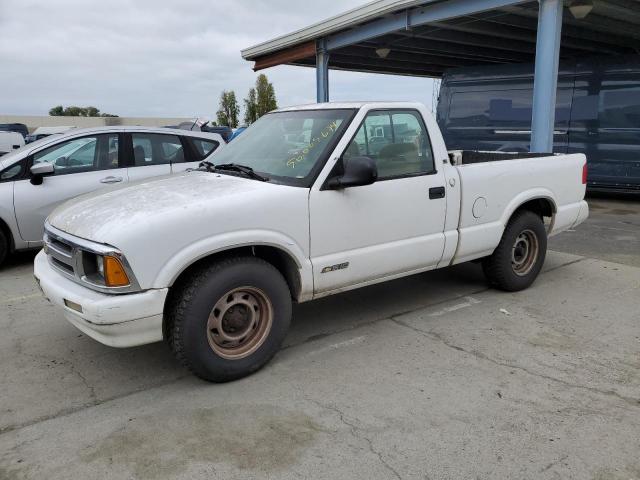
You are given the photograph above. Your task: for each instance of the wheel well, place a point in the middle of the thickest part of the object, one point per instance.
(277, 257)
(543, 207)
(4, 228)
(280, 259)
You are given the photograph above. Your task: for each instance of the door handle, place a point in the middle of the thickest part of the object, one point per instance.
(111, 180)
(436, 192)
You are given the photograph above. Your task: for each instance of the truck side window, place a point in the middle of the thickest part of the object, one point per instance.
(397, 141)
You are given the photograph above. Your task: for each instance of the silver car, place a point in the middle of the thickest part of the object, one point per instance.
(38, 177)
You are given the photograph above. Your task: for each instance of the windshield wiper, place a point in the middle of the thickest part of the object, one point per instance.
(208, 166)
(234, 167)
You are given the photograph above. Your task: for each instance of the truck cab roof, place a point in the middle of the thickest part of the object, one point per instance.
(354, 105)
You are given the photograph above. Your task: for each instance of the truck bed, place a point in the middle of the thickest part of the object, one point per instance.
(492, 190)
(467, 157)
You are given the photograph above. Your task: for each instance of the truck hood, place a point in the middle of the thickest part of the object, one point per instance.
(171, 202)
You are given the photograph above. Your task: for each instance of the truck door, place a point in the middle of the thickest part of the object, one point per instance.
(393, 226)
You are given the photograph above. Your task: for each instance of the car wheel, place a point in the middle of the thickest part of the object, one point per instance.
(229, 319)
(518, 259)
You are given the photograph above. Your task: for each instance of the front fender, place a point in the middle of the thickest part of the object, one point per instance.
(186, 257)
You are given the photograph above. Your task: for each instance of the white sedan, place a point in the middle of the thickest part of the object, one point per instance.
(40, 176)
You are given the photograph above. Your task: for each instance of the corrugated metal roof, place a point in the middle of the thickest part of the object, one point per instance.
(500, 35)
(369, 11)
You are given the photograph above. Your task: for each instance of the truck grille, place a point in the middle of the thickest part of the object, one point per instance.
(75, 258)
(63, 255)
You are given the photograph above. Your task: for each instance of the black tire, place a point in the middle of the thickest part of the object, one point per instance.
(4, 247)
(514, 265)
(191, 308)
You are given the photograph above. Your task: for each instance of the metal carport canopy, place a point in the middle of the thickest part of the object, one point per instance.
(428, 37)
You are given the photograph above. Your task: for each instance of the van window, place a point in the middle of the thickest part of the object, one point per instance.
(501, 108)
(620, 107)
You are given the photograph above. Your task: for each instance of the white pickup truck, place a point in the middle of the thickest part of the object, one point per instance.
(308, 202)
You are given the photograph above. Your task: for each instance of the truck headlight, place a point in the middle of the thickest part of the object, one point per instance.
(114, 273)
(98, 266)
(107, 270)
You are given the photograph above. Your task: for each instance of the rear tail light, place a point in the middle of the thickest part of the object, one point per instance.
(585, 171)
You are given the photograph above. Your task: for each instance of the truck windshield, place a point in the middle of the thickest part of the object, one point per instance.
(287, 147)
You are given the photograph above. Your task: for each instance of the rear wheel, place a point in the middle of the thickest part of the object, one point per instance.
(518, 259)
(4, 247)
(230, 318)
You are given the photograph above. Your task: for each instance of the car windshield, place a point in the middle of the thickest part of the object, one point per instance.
(287, 146)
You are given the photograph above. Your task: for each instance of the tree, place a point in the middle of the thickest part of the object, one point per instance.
(91, 112)
(57, 111)
(250, 107)
(266, 96)
(229, 110)
(260, 100)
(73, 111)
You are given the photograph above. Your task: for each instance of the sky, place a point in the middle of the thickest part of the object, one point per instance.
(164, 58)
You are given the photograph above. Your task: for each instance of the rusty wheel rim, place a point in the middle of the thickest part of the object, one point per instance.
(524, 252)
(239, 322)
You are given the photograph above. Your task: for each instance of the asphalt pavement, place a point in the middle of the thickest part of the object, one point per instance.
(435, 376)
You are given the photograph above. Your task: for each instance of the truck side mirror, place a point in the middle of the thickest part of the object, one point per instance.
(358, 171)
(39, 170)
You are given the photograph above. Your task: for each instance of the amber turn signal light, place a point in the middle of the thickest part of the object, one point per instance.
(114, 274)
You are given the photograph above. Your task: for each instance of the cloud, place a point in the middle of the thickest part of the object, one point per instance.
(163, 58)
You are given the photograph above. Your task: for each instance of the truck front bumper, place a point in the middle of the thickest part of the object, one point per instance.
(116, 320)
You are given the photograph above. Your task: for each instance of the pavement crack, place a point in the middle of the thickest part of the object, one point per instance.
(358, 326)
(554, 463)
(324, 335)
(566, 264)
(61, 362)
(92, 390)
(79, 408)
(357, 433)
(393, 317)
(475, 353)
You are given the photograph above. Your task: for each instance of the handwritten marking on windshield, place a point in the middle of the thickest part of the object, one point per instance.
(326, 131)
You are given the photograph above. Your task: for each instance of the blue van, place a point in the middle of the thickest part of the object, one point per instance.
(597, 113)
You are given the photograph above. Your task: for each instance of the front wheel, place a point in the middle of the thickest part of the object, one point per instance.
(230, 318)
(518, 259)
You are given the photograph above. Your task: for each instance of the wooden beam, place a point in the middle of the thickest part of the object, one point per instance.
(286, 56)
